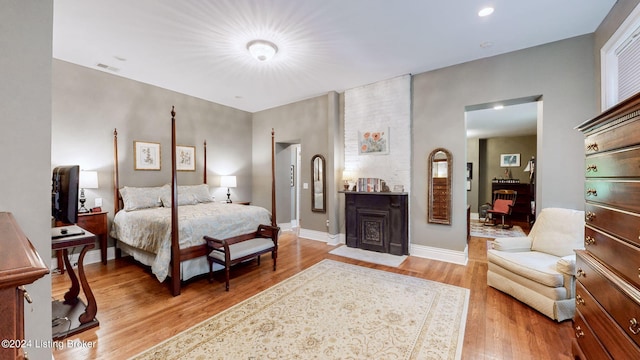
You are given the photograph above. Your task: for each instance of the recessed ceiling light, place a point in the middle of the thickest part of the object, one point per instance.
(486, 44)
(485, 12)
(498, 107)
(262, 50)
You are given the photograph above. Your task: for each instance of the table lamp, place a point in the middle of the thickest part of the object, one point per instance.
(88, 180)
(228, 182)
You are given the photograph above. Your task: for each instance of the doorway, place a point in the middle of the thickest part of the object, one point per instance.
(288, 162)
(499, 129)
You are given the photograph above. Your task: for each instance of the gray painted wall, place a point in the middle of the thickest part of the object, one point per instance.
(473, 156)
(305, 122)
(88, 104)
(26, 30)
(561, 72)
(490, 167)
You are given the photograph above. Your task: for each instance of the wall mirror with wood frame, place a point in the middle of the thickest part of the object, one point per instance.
(439, 172)
(318, 184)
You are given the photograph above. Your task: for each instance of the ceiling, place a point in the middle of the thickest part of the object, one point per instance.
(511, 120)
(198, 47)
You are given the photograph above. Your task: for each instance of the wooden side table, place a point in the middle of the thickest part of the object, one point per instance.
(96, 222)
(72, 316)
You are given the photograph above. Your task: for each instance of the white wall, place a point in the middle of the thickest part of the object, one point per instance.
(26, 29)
(380, 106)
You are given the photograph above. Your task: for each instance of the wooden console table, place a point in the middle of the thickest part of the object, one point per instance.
(72, 316)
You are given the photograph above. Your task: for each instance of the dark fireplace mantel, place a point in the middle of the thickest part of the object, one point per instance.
(377, 221)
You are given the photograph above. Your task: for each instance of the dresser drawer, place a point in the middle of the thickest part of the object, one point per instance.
(589, 344)
(624, 258)
(619, 163)
(617, 193)
(624, 225)
(614, 297)
(616, 137)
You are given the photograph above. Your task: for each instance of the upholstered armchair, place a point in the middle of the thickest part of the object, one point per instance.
(539, 269)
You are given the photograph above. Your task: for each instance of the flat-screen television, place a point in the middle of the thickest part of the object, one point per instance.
(64, 194)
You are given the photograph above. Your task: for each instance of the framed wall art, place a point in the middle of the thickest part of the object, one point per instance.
(509, 160)
(373, 141)
(147, 155)
(185, 158)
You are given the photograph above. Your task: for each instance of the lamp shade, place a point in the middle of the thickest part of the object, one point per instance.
(88, 179)
(228, 181)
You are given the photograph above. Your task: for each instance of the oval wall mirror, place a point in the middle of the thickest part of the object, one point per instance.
(439, 187)
(318, 184)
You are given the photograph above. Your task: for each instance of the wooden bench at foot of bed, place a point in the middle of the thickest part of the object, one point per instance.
(228, 252)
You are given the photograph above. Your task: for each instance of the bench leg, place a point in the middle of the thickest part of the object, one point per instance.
(226, 275)
(210, 270)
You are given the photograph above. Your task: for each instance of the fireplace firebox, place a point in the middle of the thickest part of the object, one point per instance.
(377, 221)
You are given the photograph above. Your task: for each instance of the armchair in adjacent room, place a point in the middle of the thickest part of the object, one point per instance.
(539, 269)
(501, 208)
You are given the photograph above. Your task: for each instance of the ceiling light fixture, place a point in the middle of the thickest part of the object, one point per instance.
(262, 50)
(485, 12)
(498, 107)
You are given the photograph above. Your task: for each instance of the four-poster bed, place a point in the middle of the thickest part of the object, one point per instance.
(156, 234)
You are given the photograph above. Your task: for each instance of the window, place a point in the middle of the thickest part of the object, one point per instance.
(621, 62)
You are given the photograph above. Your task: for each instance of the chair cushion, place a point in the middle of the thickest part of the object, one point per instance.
(537, 266)
(245, 248)
(558, 231)
(502, 206)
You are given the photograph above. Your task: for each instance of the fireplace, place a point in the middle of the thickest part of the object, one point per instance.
(377, 221)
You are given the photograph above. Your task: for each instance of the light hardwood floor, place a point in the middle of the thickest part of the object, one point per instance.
(136, 312)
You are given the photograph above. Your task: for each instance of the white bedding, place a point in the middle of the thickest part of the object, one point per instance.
(150, 229)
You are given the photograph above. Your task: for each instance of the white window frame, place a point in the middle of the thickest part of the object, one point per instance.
(609, 60)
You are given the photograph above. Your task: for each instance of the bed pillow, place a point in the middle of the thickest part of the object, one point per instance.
(136, 198)
(183, 199)
(199, 192)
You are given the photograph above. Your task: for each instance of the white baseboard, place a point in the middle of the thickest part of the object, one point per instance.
(429, 252)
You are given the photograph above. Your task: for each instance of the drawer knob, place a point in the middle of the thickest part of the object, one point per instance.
(590, 215)
(592, 192)
(579, 332)
(579, 300)
(634, 326)
(580, 272)
(592, 147)
(589, 240)
(592, 167)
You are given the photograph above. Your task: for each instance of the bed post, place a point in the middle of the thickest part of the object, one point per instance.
(116, 177)
(273, 179)
(205, 163)
(175, 247)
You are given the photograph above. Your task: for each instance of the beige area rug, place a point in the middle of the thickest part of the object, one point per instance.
(369, 256)
(478, 229)
(332, 310)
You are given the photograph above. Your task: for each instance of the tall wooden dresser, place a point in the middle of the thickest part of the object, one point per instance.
(607, 319)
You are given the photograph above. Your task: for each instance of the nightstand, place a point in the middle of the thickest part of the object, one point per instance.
(96, 222)
(242, 202)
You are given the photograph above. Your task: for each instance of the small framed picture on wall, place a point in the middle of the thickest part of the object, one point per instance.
(509, 160)
(147, 155)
